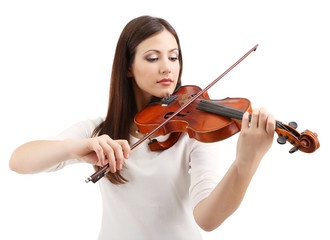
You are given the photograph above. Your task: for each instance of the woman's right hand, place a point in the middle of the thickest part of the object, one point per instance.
(102, 150)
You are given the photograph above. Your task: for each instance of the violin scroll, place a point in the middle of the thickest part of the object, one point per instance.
(306, 141)
(309, 141)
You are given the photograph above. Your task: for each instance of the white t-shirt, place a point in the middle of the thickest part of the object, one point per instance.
(163, 188)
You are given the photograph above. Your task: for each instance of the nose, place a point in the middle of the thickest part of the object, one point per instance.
(165, 67)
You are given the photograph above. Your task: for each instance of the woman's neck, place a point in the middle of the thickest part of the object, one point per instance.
(141, 98)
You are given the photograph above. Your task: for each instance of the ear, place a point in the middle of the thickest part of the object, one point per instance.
(129, 72)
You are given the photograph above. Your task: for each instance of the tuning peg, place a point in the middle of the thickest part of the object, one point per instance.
(293, 124)
(294, 149)
(282, 139)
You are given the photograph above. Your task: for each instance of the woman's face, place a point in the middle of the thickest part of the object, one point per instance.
(156, 67)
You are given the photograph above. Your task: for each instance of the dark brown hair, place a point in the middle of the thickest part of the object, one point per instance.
(122, 107)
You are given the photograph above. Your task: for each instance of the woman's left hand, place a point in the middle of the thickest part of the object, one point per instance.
(256, 138)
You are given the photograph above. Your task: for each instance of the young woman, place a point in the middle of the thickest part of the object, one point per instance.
(152, 195)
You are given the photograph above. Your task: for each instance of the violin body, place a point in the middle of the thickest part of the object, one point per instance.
(200, 125)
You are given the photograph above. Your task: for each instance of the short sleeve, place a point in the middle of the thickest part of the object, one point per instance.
(80, 130)
(204, 170)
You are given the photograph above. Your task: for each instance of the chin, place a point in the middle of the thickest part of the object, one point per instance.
(167, 93)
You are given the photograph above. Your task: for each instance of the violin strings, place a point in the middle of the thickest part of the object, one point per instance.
(222, 110)
(282, 126)
(225, 111)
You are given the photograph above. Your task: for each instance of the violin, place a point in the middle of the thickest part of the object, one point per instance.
(211, 120)
(191, 110)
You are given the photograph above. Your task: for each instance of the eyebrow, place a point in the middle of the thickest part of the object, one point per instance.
(157, 51)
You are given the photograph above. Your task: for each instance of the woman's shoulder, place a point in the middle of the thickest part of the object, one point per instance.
(82, 129)
(91, 124)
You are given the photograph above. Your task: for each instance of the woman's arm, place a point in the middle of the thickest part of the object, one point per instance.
(254, 141)
(38, 156)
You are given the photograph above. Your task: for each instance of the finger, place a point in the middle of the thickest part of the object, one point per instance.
(119, 146)
(262, 118)
(112, 162)
(245, 121)
(105, 141)
(119, 155)
(126, 147)
(254, 118)
(109, 155)
(99, 152)
(270, 126)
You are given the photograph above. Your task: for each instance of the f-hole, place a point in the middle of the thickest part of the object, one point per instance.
(167, 115)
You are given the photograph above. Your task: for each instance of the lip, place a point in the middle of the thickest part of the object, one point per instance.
(165, 81)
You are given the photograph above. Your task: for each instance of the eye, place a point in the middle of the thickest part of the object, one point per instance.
(173, 59)
(152, 58)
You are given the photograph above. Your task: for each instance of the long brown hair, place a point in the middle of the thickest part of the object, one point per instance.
(122, 107)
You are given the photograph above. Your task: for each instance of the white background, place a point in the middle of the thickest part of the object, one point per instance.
(55, 64)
